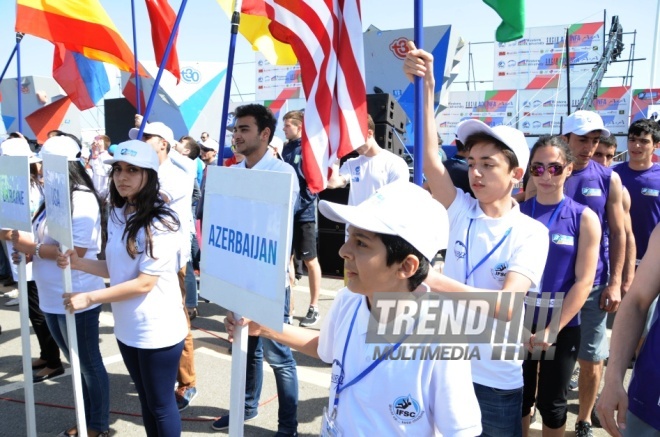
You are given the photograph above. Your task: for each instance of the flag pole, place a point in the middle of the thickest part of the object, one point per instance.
(11, 57)
(239, 351)
(19, 37)
(163, 62)
(235, 21)
(419, 98)
(135, 55)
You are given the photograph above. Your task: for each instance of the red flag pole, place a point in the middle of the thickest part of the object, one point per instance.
(135, 56)
(163, 63)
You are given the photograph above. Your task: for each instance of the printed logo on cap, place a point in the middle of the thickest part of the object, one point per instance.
(406, 410)
(130, 152)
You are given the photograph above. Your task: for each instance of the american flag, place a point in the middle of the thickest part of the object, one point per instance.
(326, 36)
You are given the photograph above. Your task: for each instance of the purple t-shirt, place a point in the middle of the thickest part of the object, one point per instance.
(563, 222)
(644, 390)
(591, 187)
(644, 189)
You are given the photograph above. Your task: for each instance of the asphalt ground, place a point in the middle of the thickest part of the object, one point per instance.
(54, 398)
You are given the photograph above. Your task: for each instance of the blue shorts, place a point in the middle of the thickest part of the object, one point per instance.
(594, 345)
(636, 427)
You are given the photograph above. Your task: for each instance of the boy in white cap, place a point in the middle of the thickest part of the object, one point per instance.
(492, 245)
(600, 189)
(388, 250)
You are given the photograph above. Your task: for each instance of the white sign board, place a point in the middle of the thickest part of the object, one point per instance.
(58, 202)
(246, 234)
(14, 193)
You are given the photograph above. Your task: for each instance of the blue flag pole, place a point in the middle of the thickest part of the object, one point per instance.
(419, 98)
(135, 54)
(235, 21)
(11, 57)
(163, 62)
(19, 37)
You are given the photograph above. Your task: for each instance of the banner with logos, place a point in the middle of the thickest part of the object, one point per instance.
(277, 82)
(538, 60)
(641, 100)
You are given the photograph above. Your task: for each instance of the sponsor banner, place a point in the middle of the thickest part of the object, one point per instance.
(538, 60)
(274, 80)
(641, 100)
(492, 107)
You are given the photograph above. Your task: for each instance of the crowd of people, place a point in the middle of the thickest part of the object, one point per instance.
(578, 243)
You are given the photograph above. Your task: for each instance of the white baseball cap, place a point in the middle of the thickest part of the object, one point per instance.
(61, 145)
(18, 147)
(583, 122)
(210, 144)
(156, 128)
(512, 138)
(399, 208)
(137, 153)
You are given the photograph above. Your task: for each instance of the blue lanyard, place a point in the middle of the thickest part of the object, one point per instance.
(483, 260)
(555, 212)
(366, 371)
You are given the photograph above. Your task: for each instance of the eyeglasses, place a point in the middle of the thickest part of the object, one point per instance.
(538, 169)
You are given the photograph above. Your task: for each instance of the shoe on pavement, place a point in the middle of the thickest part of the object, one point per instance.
(47, 373)
(184, 396)
(311, 318)
(11, 303)
(573, 384)
(583, 429)
(11, 294)
(222, 423)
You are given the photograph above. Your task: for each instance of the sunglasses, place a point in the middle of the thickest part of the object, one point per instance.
(554, 169)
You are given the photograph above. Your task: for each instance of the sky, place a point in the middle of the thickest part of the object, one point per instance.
(204, 34)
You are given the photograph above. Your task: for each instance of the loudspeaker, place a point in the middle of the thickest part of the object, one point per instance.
(337, 195)
(387, 138)
(329, 243)
(384, 109)
(119, 119)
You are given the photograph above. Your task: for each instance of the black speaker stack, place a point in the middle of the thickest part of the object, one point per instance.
(119, 119)
(390, 120)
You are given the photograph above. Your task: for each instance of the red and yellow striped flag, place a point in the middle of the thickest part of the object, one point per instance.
(82, 26)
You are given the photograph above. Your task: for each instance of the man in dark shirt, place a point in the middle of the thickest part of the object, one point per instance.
(457, 167)
(304, 219)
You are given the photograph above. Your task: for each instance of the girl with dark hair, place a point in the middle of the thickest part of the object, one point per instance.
(150, 324)
(86, 230)
(574, 233)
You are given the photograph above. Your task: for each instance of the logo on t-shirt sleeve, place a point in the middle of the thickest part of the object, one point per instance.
(406, 410)
(564, 240)
(356, 174)
(592, 192)
(499, 271)
(650, 192)
(459, 249)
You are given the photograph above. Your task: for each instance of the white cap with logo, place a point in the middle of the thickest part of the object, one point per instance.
(156, 128)
(137, 153)
(582, 122)
(400, 208)
(511, 137)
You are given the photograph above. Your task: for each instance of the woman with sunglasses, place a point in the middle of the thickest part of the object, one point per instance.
(574, 233)
(150, 324)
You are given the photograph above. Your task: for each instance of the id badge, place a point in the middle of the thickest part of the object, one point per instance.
(328, 426)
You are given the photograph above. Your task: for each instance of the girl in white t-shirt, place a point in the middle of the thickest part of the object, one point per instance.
(42, 250)
(150, 324)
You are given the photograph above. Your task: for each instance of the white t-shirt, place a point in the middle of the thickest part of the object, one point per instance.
(101, 173)
(439, 394)
(86, 230)
(366, 174)
(178, 186)
(524, 251)
(155, 319)
(270, 163)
